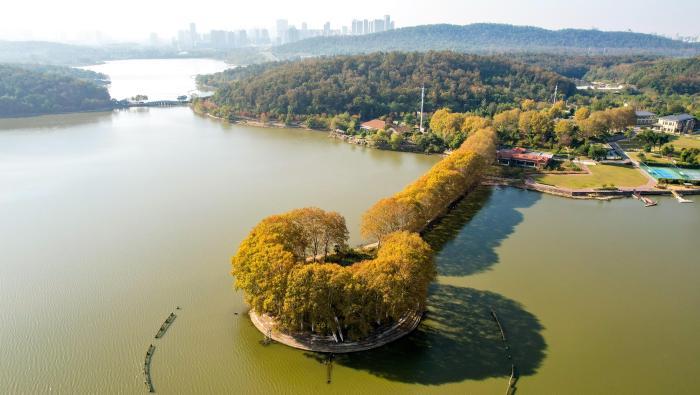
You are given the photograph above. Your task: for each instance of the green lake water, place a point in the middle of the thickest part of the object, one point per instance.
(108, 221)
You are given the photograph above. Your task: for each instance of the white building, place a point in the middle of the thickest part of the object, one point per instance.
(677, 124)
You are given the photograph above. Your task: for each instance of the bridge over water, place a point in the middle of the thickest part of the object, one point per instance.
(159, 103)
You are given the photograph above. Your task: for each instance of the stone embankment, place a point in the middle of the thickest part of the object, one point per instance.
(328, 344)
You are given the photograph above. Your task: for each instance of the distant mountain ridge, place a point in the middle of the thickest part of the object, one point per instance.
(45, 52)
(490, 38)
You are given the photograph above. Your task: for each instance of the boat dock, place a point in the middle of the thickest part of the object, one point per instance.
(680, 198)
(166, 325)
(647, 202)
(147, 369)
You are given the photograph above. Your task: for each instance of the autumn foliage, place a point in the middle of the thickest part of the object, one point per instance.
(276, 268)
(281, 266)
(430, 195)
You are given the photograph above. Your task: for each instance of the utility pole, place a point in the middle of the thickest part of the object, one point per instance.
(422, 97)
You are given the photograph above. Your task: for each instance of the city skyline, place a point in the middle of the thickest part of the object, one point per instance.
(137, 21)
(283, 33)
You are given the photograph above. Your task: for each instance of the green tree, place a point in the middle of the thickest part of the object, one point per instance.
(668, 150)
(597, 152)
(396, 140)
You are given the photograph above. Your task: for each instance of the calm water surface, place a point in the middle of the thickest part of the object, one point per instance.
(159, 79)
(110, 220)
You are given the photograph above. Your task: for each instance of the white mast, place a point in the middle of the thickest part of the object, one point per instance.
(556, 88)
(422, 96)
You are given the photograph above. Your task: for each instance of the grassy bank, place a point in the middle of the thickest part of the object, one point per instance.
(681, 142)
(601, 176)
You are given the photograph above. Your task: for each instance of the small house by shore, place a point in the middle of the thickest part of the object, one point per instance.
(378, 124)
(521, 157)
(375, 124)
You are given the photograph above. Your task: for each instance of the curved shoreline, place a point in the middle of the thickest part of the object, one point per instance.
(327, 344)
(585, 194)
(331, 134)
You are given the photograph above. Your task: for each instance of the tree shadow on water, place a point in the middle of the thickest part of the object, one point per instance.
(466, 238)
(458, 340)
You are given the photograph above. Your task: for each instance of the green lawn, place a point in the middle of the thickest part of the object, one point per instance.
(650, 157)
(685, 142)
(602, 175)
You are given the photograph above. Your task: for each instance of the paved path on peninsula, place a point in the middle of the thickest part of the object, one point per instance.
(267, 325)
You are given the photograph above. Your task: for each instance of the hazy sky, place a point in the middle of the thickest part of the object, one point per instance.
(135, 19)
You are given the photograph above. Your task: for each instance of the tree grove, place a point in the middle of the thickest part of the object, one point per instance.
(282, 269)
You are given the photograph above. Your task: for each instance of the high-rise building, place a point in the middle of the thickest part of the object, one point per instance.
(264, 37)
(282, 30)
(304, 30)
(258, 37)
(243, 38)
(371, 26)
(232, 40)
(292, 34)
(377, 26)
(153, 39)
(356, 27)
(184, 39)
(218, 39)
(193, 34)
(327, 29)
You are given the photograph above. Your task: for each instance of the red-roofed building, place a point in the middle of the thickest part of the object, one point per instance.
(378, 124)
(521, 157)
(375, 124)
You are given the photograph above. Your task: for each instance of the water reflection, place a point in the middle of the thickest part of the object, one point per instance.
(466, 239)
(458, 341)
(54, 121)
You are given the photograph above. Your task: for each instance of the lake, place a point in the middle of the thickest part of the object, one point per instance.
(108, 221)
(159, 79)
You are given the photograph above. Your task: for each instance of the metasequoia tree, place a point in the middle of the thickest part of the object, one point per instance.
(326, 298)
(277, 265)
(427, 197)
(320, 230)
(387, 216)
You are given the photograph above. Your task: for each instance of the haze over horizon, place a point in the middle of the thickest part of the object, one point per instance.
(131, 20)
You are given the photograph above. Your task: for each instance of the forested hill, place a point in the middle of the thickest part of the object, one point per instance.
(575, 66)
(665, 76)
(34, 90)
(490, 38)
(48, 53)
(41, 52)
(63, 71)
(382, 83)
